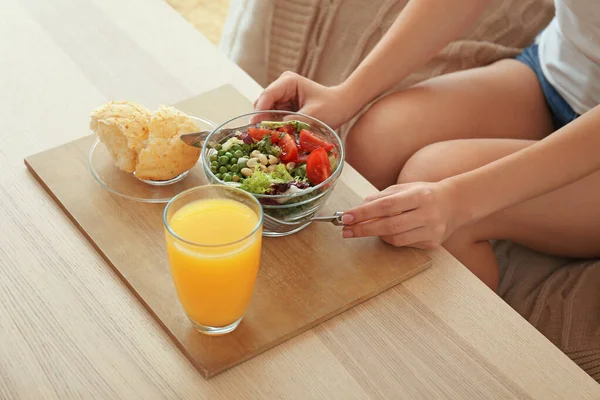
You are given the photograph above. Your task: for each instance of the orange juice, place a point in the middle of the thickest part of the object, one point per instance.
(214, 281)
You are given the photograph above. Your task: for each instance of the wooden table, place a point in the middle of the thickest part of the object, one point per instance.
(69, 327)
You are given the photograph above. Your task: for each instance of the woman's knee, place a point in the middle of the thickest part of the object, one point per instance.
(395, 116)
(379, 143)
(432, 163)
(448, 158)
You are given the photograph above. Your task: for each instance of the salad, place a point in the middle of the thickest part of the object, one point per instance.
(274, 158)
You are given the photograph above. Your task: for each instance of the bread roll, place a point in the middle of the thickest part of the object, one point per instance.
(145, 143)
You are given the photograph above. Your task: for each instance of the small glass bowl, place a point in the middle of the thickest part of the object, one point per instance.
(297, 209)
(126, 185)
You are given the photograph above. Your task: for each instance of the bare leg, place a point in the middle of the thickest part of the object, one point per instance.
(563, 222)
(503, 100)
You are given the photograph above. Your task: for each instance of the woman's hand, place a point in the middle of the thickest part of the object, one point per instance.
(292, 92)
(421, 215)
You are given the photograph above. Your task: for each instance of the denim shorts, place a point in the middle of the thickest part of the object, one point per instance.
(561, 111)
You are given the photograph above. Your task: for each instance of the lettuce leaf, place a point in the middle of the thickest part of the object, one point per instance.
(266, 147)
(260, 182)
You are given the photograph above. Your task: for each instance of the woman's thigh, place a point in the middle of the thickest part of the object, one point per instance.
(564, 222)
(503, 100)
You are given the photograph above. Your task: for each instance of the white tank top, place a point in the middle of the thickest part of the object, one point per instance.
(569, 51)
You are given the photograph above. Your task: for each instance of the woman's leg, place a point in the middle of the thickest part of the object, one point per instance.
(503, 100)
(563, 222)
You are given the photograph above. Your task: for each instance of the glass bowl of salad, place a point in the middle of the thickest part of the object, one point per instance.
(289, 161)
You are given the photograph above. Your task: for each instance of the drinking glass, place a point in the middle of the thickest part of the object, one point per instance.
(214, 239)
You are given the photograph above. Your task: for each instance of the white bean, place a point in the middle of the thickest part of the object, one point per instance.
(273, 160)
(263, 159)
(235, 178)
(271, 167)
(262, 168)
(290, 166)
(252, 162)
(246, 171)
(255, 153)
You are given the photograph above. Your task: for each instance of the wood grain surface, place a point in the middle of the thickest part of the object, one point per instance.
(304, 279)
(71, 329)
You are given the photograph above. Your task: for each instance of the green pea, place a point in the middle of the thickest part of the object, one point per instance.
(246, 148)
(233, 161)
(218, 146)
(221, 153)
(223, 169)
(219, 176)
(223, 160)
(236, 147)
(228, 154)
(227, 177)
(214, 157)
(215, 164)
(238, 154)
(234, 168)
(213, 170)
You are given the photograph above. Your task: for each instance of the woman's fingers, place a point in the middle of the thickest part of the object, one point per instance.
(293, 92)
(280, 92)
(418, 238)
(381, 207)
(385, 226)
(384, 193)
(417, 215)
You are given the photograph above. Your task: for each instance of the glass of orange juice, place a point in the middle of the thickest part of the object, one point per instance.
(214, 238)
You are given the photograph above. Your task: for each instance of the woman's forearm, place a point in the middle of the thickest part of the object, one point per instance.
(421, 30)
(565, 156)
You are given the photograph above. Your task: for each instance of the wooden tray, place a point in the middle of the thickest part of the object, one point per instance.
(304, 279)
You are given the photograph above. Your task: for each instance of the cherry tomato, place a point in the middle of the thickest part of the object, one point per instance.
(259, 133)
(309, 142)
(289, 150)
(318, 168)
(288, 129)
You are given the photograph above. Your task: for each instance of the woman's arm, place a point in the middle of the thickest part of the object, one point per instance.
(565, 156)
(421, 30)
